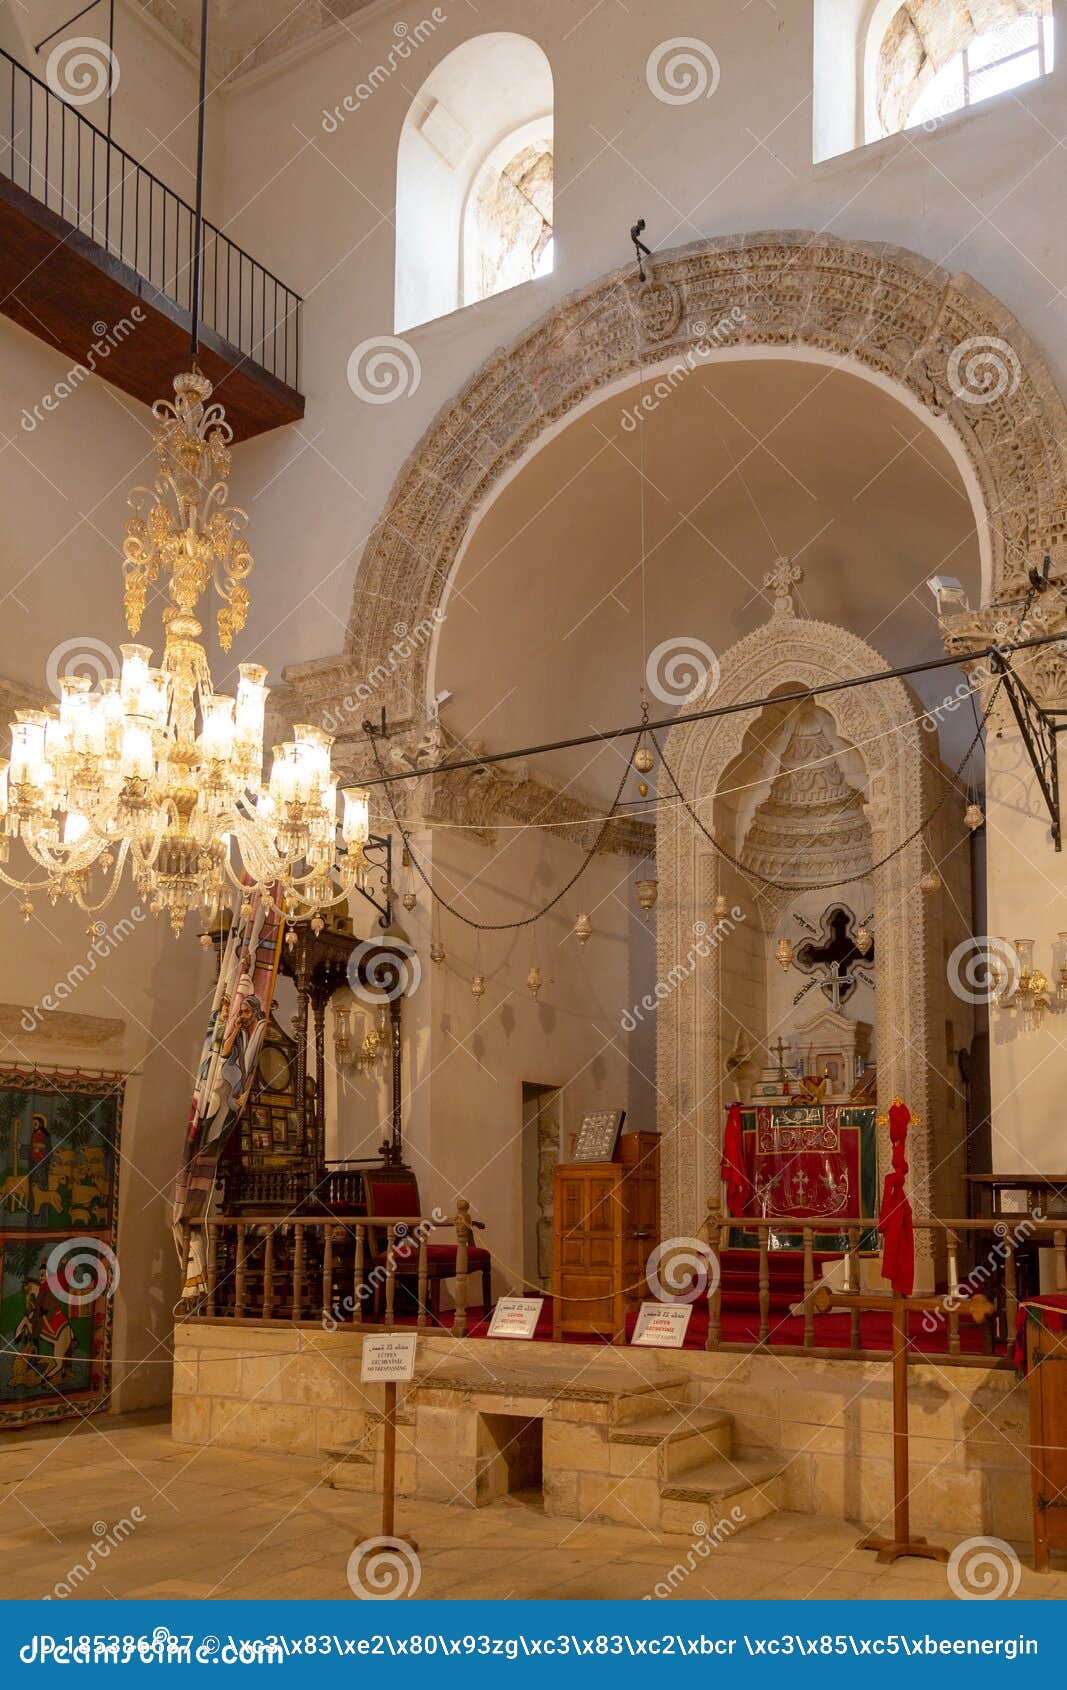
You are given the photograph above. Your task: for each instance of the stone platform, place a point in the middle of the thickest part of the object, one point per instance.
(664, 1438)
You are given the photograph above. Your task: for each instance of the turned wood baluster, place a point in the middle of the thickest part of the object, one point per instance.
(357, 1276)
(268, 1275)
(390, 1275)
(464, 1238)
(714, 1231)
(240, 1278)
(764, 1287)
(1059, 1240)
(854, 1285)
(298, 1270)
(953, 1243)
(212, 1261)
(809, 1287)
(327, 1271)
(424, 1278)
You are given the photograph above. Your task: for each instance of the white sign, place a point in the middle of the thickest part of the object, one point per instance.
(516, 1317)
(662, 1325)
(388, 1358)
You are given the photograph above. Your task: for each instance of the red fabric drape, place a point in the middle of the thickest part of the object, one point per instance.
(895, 1219)
(734, 1173)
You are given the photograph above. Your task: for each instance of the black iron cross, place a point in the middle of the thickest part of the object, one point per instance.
(836, 956)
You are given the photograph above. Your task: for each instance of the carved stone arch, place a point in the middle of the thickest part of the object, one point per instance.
(695, 1031)
(950, 346)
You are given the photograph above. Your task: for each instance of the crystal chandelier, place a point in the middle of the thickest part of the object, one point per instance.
(156, 768)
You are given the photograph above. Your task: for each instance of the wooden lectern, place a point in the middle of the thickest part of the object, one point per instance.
(975, 1308)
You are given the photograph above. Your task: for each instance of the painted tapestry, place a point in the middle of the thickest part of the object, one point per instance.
(59, 1144)
(227, 1071)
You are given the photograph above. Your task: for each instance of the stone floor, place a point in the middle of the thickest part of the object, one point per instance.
(142, 1516)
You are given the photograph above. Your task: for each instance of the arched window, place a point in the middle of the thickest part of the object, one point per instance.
(925, 61)
(474, 178)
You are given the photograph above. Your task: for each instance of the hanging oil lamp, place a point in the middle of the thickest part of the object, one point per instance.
(582, 929)
(534, 982)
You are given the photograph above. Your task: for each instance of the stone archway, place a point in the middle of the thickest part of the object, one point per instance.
(694, 1026)
(949, 346)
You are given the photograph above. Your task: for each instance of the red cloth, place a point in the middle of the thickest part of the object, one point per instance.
(734, 1172)
(895, 1221)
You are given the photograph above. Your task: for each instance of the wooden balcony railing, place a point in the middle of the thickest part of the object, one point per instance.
(992, 1246)
(327, 1272)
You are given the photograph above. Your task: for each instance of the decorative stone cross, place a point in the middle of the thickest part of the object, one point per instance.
(837, 957)
(780, 581)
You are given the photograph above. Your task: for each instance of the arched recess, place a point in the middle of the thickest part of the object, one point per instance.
(695, 1030)
(881, 309)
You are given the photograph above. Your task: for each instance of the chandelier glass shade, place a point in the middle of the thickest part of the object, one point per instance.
(155, 768)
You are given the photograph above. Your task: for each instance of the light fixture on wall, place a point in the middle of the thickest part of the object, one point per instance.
(1024, 986)
(359, 1042)
(155, 768)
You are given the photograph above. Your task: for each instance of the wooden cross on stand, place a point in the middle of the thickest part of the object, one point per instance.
(976, 1308)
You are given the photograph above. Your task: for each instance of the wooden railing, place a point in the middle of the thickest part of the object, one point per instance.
(318, 1270)
(993, 1244)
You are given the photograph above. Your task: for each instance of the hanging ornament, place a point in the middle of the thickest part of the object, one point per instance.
(437, 953)
(973, 816)
(721, 906)
(409, 900)
(863, 940)
(783, 950)
(317, 924)
(582, 929)
(644, 759)
(205, 940)
(290, 938)
(534, 981)
(930, 882)
(647, 893)
(478, 987)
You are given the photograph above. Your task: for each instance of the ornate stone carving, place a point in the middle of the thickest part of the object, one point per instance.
(876, 306)
(56, 1027)
(697, 1034)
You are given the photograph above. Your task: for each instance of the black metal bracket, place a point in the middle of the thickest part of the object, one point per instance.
(381, 845)
(1040, 729)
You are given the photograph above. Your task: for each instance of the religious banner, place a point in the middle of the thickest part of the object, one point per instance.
(59, 1141)
(807, 1162)
(244, 993)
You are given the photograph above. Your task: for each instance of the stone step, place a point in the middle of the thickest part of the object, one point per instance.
(650, 1401)
(349, 1467)
(723, 1496)
(684, 1438)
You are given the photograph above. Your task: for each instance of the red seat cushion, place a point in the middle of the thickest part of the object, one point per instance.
(437, 1255)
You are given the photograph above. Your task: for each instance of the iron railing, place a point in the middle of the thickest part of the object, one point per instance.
(62, 160)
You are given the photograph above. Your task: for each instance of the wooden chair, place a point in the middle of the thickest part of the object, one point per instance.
(394, 1193)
